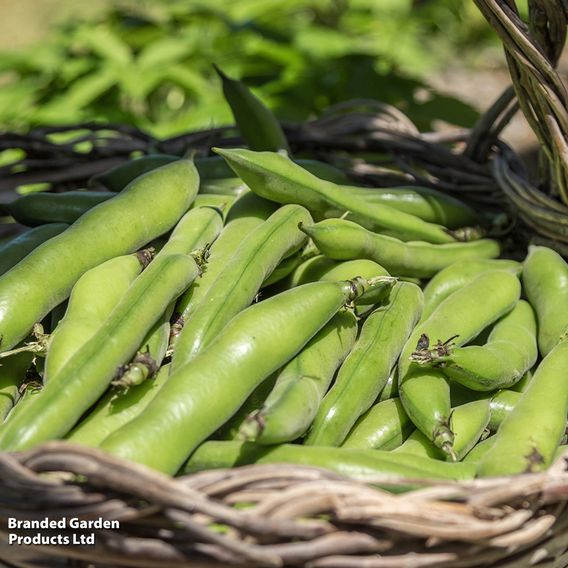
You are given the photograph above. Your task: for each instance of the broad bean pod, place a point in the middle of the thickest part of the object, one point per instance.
(239, 282)
(115, 409)
(530, 435)
(247, 213)
(92, 299)
(366, 369)
(511, 350)
(340, 239)
(459, 274)
(291, 406)
(88, 373)
(149, 207)
(545, 282)
(43, 208)
(426, 203)
(258, 126)
(17, 248)
(201, 396)
(384, 426)
(276, 177)
(357, 464)
(425, 392)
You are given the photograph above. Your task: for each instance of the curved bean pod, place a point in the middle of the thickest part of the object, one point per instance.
(276, 177)
(479, 450)
(115, 409)
(426, 203)
(92, 299)
(197, 229)
(322, 268)
(468, 422)
(149, 207)
(366, 369)
(390, 390)
(529, 436)
(117, 178)
(89, 372)
(291, 406)
(238, 283)
(461, 316)
(42, 208)
(357, 464)
(459, 274)
(255, 121)
(16, 249)
(147, 360)
(384, 426)
(545, 281)
(417, 444)
(247, 213)
(344, 240)
(201, 396)
(12, 376)
(501, 405)
(511, 350)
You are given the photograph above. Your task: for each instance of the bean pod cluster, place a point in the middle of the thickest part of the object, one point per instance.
(254, 307)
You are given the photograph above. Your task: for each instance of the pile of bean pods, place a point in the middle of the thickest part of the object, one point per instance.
(251, 306)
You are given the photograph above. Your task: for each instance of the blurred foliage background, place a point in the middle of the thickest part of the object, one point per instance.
(148, 63)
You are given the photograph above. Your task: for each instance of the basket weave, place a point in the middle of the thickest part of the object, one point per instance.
(532, 51)
(298, 516)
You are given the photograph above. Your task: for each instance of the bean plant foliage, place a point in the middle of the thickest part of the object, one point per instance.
(150, 63)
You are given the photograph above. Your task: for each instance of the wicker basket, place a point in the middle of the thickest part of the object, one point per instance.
(298, 516)
(294, 515)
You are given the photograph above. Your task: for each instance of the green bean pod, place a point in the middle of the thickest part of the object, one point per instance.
(417, 444)
(197, 229)
(148, 359)
(29, 391)
(115, 409)
(239, 282)
(221, 202)
(276, 177)
(501, 405)
(117, 178)
(92, 299)
(247, 213)
(291, 406)
(228, 188)
(511, 350)
(12, 376)
(258, 126)
(344, 240)
(384, 426)
(16, 249)
(425, 395)
(545, 282)
(357, 464)
(42, 208)
(468, 422)
(149, 207)
(390, 390)
(366, 369)
(425, 392)
(426, 203)
(230, 430)
(459, 274)
(201, 396)
(321, 268)
(88, 373)
(529, 436)
(479, 450)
